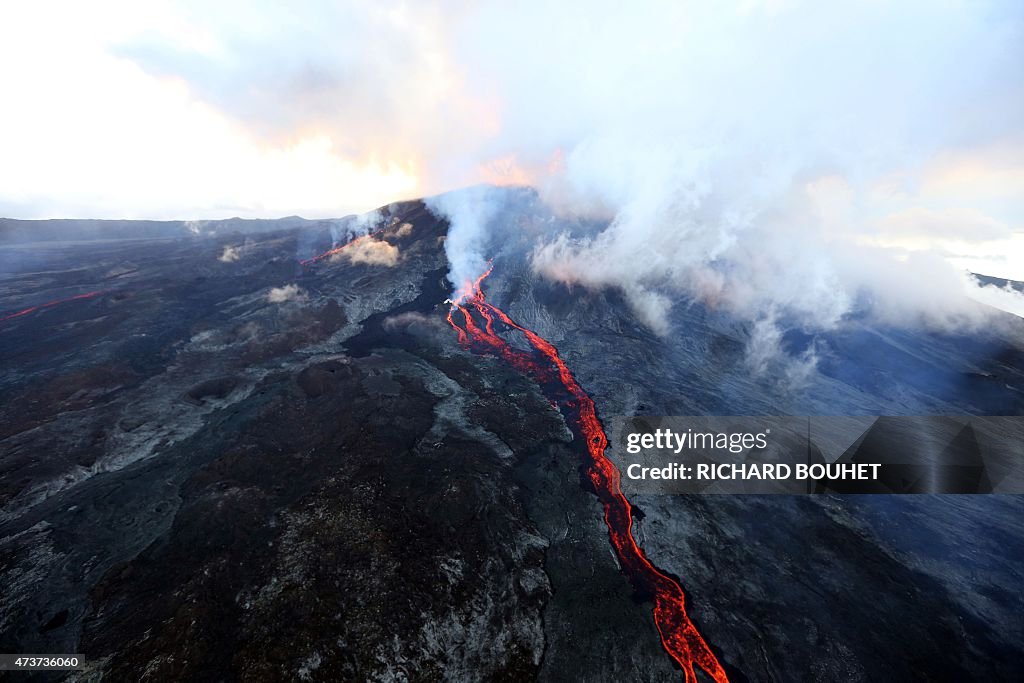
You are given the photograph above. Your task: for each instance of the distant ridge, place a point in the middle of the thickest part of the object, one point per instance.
(999, 281)
(21, 231)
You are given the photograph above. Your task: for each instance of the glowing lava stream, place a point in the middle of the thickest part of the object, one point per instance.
(678, 633)
(337, 250)
(50, 304)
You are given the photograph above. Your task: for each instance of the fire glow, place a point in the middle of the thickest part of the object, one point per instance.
(679, 635)
(51, 304)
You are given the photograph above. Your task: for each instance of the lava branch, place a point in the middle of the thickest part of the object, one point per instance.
(337, 250)
(679, 635)
(50, 304)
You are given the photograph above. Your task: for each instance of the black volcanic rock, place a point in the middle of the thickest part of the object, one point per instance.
(248, 469)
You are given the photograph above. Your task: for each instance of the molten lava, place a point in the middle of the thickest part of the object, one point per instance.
(679, 636)
(50, 304)
(337, 250)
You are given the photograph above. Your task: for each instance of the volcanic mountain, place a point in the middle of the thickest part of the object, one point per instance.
(277, 453)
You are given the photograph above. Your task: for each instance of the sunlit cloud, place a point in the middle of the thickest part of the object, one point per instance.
(791, 122)
(93, 134)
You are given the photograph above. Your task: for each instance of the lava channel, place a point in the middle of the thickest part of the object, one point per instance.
(337, 250)
(51, 304)
(679, 635)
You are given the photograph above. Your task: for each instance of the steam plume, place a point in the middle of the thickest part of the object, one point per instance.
(470, 212)
(773, 159)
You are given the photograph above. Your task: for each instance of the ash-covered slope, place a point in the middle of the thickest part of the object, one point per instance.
(230, 466)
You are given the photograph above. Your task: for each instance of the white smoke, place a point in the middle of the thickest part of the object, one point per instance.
(372, 252)
(412, 318)
(290, 292)
(230, 254)
(470, 213)
(765, 356)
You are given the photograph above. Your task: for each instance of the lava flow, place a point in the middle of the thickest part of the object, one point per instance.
(678, 633)
(50, 304)
(337, 250)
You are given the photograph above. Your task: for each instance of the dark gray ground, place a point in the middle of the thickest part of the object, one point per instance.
(201, 483)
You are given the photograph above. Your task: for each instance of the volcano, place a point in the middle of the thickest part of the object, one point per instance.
(301, 462)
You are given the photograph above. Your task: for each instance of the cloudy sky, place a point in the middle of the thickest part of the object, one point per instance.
(896, 126)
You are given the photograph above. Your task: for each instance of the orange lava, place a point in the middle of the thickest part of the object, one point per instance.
(50, 304)
(679, 635)
(337, 250)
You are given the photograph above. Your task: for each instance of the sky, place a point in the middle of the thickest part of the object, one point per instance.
(789, 129)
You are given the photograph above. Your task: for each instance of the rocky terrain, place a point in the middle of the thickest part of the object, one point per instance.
(228, 465)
